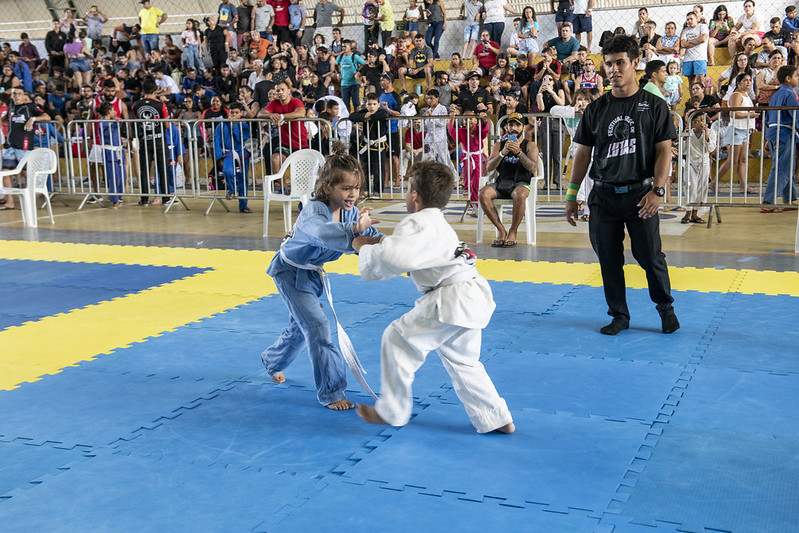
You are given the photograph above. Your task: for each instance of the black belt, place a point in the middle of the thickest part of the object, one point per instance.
(624, 189)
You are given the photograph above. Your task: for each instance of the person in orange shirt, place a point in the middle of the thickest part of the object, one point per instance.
(260, 44)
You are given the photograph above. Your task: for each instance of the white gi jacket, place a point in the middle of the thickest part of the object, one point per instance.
(424, 245)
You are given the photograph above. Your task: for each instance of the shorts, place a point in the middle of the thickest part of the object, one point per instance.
(394, 143)
(80, 64)
(470, 32)
(504, 193)
(736, 136)
(529, 46)
(693, 68)
(582, 24)
(412, 26)
(12, 156)
(283, 150)
(418, 75)
(564, 15)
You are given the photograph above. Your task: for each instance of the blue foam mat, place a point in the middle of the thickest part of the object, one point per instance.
(266, 426)
(581, 385)
(21, 463)
(756, 333)
(736, 401)
(560, 462)
(158, 496)
(95, 409)
(719, 481)
(366, 508)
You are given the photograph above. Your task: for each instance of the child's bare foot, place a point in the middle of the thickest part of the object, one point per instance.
(369, 414)
(507, 428)
(341, 405)
(280, 377)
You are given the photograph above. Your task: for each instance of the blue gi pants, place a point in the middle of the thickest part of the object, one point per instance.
(781, 176)
(240, 178)
(114, 174)
(309, 327)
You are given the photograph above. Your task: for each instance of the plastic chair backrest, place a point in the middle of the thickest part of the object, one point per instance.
(41, 163)
(304, 166)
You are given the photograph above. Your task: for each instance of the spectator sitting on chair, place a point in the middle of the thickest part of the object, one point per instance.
(565, 45)
(515, 160)
(485, 53)
(422, 57)
(20, 135)
(473, 97)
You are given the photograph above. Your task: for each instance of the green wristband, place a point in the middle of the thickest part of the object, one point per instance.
(573, 187)
(571, 197)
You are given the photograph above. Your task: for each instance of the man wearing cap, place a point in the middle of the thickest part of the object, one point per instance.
(150, 18)
(473, 97)
(630, 132)
(390, 101)
(515, 159)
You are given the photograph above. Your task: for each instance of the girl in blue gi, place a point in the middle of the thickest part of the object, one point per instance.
(229, 139)
(324, 231)
(113, 155)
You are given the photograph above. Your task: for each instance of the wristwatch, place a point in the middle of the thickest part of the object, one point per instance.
(659, 191)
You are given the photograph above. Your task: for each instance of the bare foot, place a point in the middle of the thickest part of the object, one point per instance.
(280, 377)
(507, 428)
(369, 414)
(341, 405)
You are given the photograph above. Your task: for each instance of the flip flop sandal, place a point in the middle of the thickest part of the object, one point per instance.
(499, 243)
(698, 220)
(509, 244)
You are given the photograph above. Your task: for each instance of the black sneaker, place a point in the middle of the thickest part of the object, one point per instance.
(669, 322)
(616, 325)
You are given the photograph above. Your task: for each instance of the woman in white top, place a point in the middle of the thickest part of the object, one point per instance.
(740, 65)
(748, 26)
(737, 134)
(412, 17)
(495, 18)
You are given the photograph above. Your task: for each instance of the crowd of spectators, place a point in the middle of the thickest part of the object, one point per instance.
(254, 56)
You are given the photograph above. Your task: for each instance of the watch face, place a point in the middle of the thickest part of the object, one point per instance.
(660, 191)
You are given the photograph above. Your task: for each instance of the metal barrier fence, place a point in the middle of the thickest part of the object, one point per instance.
(387, 148)
(735, 138)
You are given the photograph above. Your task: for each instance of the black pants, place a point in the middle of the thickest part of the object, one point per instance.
(218, 57)
(149, 151)
(282, 33)
(610, 213)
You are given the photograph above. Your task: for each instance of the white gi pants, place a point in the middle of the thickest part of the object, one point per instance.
(405, 345)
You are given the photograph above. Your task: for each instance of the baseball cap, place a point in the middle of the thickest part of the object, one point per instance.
(388, 76)
(516, 117)
(473, 74)
(515, 90)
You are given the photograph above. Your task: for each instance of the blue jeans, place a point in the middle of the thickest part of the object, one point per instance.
(150, 42)
(433, 37)
(308, 326)
(351, 93)
(781, 175)
(236, 181)
(192, 58)
(496, 29)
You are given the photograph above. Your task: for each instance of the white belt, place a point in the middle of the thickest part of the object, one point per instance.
(459, 277)
(344, 342)
(370, 143)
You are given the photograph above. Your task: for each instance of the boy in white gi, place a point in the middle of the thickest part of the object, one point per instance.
(449, 317)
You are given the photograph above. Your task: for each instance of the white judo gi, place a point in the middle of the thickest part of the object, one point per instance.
(435, 137)
(449, 317)
(698, 167)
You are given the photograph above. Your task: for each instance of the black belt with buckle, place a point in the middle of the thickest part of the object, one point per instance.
(624, 189)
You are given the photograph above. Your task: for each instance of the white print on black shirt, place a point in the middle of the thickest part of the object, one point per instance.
(622, 131)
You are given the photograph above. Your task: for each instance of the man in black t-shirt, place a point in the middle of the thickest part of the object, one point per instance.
(473, 97)
(630, 132)
(152, 144)
(21, 118)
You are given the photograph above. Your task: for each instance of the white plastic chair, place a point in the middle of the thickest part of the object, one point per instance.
(529, 211)
(39, 163)
(304, 166)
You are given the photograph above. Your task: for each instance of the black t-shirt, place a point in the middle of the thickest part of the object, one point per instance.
(468, 101)
(216, 38)
(261, 93)
(372, 75)
(523, 76)
(17, 136)
(783, 38)
(623, 133)
(149, 108)
(709, 101)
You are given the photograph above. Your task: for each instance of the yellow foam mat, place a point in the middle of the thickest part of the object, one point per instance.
(236, 277)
